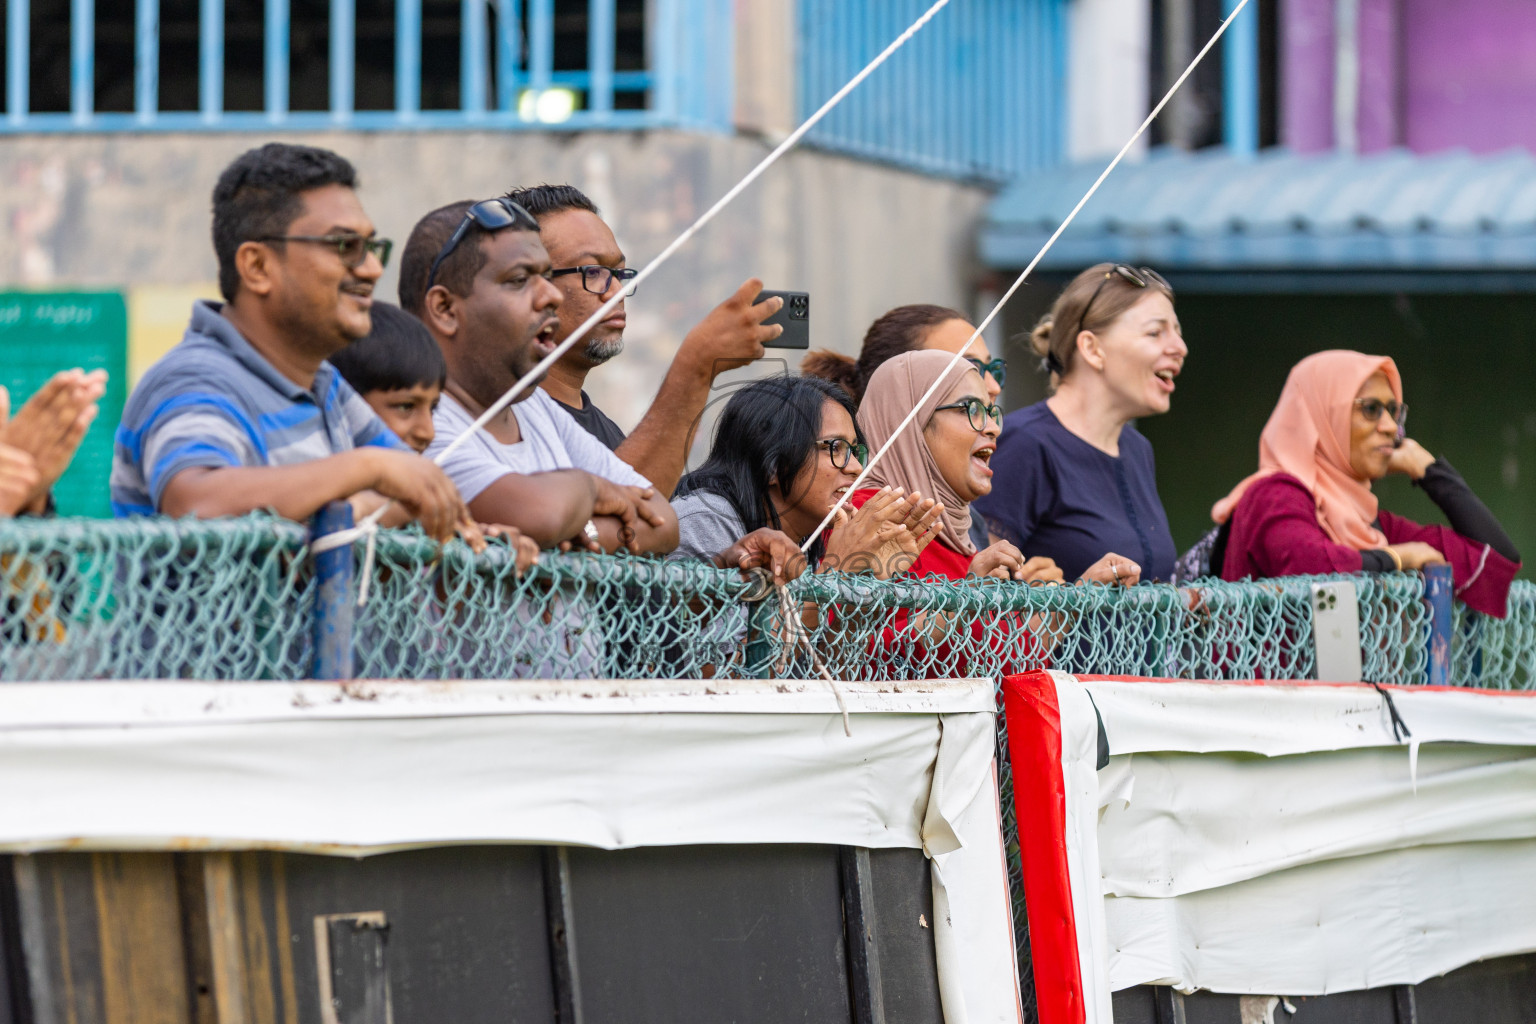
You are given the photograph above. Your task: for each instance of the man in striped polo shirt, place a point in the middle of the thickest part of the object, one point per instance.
(245, 413)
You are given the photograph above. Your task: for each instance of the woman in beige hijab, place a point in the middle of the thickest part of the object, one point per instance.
(943, 454)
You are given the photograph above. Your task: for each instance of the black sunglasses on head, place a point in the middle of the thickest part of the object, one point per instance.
(491, 215)
(1141, 277)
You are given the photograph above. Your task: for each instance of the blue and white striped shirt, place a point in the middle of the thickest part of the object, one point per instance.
(214, 401)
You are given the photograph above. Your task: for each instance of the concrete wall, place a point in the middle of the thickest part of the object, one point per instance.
(128, 211)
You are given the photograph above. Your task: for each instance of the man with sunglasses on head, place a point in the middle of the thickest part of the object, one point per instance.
(478, 276)
(589, 269)
(245, 413)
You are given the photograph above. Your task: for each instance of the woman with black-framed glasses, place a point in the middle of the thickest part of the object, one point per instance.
(944, 453)
(912, 328)
(1075, 479)
(785, 449)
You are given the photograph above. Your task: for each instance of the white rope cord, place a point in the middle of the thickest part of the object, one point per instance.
(789, 612)
(368, 525)
(1019, 282)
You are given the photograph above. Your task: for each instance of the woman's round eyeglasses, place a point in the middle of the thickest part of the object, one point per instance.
(1372, 408)
(977, 411)
(839, 451)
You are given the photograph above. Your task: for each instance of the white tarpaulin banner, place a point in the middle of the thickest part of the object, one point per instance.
(1279, 839)
(368, 767)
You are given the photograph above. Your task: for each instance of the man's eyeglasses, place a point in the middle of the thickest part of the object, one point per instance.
(353, 249)
(597, 278)
(1141, 277)
(839, 451)
(491, 215)
(998, 368)
(1372, 408)
(976, 411)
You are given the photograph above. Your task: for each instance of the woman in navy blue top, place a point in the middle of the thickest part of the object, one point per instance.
(1074, 480)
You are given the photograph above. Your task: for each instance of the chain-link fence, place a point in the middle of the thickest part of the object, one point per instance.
(236, 599)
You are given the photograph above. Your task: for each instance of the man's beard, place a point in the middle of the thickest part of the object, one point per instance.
(600, 350)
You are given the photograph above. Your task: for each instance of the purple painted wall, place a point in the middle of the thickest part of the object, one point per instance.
(1434, 74)
(1471, 74)
(1306, 75)
(1379, 114)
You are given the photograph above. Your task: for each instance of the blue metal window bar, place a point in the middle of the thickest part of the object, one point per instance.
(668, 85)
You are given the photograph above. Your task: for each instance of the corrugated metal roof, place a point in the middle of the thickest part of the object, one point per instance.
(1212, 211)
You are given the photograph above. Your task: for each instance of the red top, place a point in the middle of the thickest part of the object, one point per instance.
(1007, 638)
(1275, 532)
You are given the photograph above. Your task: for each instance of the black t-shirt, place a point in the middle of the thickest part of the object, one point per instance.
(595, 422)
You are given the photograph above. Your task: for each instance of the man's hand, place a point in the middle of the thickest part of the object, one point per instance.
(764, 548)
(51, 424)
(733, 334)
(630, 505)
(525, 547)
(421, 488)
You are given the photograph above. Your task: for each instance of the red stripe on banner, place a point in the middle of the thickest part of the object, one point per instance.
(1040, 800)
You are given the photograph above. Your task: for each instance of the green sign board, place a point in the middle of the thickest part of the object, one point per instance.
(42, 333)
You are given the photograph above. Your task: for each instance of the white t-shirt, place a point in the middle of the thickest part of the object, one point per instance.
(551, 440)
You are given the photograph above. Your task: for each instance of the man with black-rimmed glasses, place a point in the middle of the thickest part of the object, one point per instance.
(589, 269)
(245, 413)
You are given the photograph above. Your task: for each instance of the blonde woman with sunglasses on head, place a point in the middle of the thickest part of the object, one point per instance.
(1309, 509)
(1075, 480)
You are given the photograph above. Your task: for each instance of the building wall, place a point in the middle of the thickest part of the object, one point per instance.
(1431, 75)
(132, 211)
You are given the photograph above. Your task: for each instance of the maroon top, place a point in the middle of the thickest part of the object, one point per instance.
(1275, 532)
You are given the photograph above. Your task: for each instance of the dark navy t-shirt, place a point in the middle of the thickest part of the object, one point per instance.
(1056, 495)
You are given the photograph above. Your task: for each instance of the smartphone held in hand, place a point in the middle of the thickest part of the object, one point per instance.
(794, 316)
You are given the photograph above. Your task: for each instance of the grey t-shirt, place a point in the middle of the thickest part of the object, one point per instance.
(707, 524)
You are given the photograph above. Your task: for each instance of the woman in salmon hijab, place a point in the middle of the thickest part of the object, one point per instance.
(1309, 509)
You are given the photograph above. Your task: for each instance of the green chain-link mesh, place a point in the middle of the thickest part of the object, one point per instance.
(234, 599)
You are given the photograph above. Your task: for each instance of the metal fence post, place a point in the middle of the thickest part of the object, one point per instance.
(1438, 591)
(333, 596)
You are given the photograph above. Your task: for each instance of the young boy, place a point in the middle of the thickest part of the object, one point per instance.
(399, 371)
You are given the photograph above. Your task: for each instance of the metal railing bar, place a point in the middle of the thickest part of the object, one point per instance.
(541, 43)
(210, 60)
(82, 59)
(18, 68)
(372, 120)
(343, 58)
(600, 50)
(407, 58)
(472, 57)
(146, 59)
(509, 45)
(275, 59)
